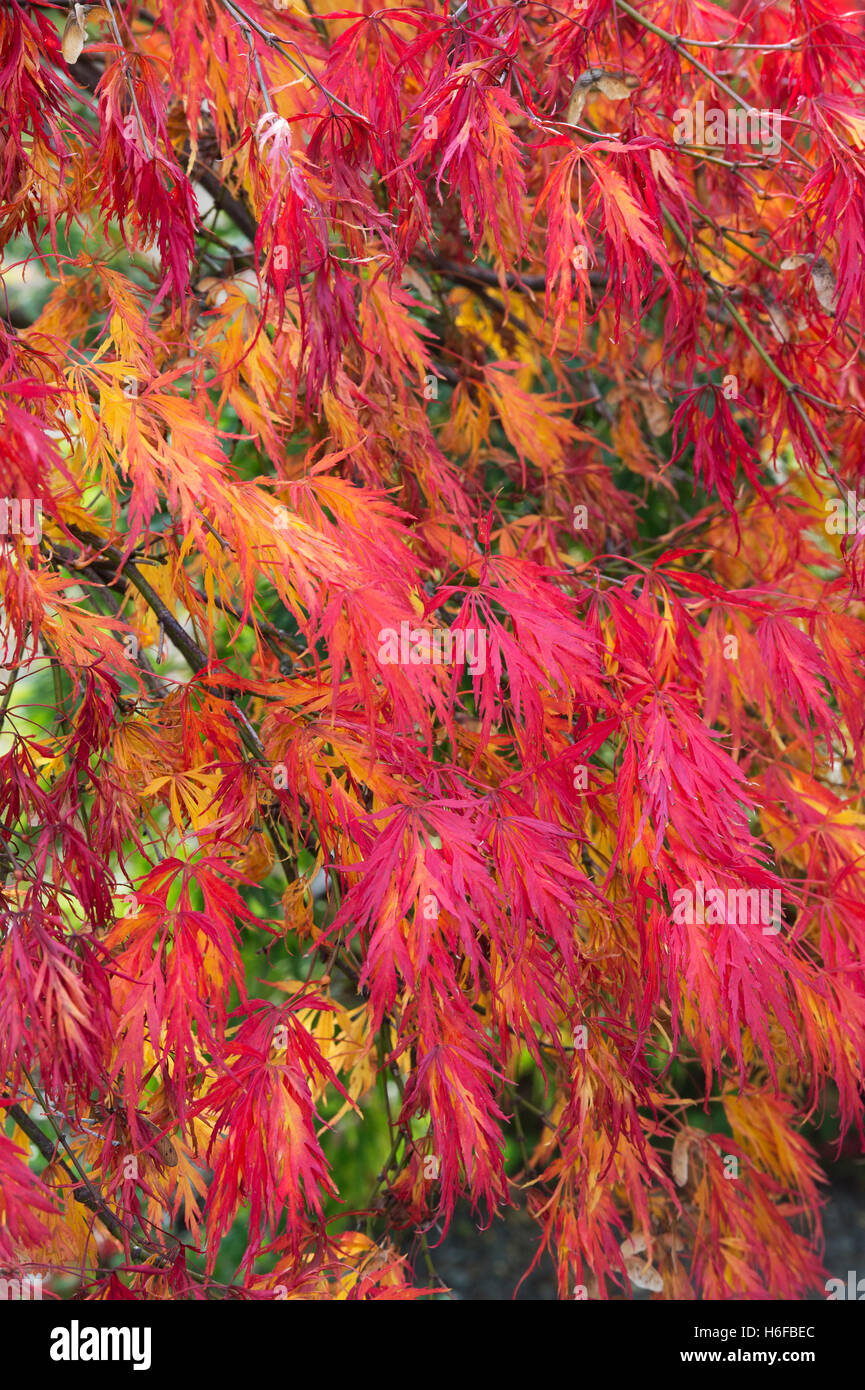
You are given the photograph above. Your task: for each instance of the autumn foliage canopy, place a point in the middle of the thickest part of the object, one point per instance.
(433, 642)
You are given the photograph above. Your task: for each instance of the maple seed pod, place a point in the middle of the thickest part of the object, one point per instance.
(75, 31)
(822, 278)
(74, 34)
(614, 86)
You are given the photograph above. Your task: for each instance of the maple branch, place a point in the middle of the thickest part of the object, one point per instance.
(273, 635)
(154, 682)
(193, 654)
(88, 73)
(274, 41)
(186, 645)
(675, 42)
(791, 387)
(7, 695)
(787, 47)
(198, 660)
(224, 199)
(81, 1188)
(124, 61)
(482, 275)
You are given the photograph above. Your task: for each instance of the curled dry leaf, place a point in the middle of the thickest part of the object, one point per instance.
(654, 403)
(656, 413)
(416, 282)
(634, 1245)
(160, 1142)
(644, 1276)
(778, 320)
(824, 283)
(680, 1158)
(822, 278)
(654, 409)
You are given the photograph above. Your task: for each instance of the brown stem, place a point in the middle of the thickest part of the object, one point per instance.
(81, 1189)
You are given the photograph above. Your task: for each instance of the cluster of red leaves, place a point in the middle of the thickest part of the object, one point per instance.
(425, 318)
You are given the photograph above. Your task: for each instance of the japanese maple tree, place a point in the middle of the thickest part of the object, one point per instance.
(433, 667)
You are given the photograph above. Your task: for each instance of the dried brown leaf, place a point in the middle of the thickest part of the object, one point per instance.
(644, 1276)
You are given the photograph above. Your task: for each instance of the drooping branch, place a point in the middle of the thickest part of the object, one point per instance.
(82, 1191)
